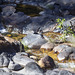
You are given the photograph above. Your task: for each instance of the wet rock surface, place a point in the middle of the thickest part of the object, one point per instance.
(33, 41)
(14, 62)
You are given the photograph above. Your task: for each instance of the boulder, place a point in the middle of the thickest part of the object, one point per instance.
(46, 62)
(9, 45)
(60, 48)
(63, 55)
(48, 45)
(33, 69)
(58, 72)
(14, 66)
(64, 51)
(33, 41)
(8, 10)
(16, 22)
(4, 60)
(22, 59)
(64, 72)
(52, 72)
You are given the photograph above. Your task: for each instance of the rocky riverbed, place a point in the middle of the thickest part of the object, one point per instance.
(29, 42)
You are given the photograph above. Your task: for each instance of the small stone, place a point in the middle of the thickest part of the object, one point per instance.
(63, 55)
(33, 57)
(46, 62)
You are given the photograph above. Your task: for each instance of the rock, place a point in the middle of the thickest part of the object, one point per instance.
(72, 56)
(48, 45)
(64, 72)
(14, 66)
(32, 69)
(33, 57)
(46, 62)
(22, 59)
(67, 2)
(52, 72)
(8, 10)
(58, 72)
(16, 22)
(5, 69)
(63, 55)
(9, 45)
(60, 48)
(10, 40)
(4, 60)
(33, 41)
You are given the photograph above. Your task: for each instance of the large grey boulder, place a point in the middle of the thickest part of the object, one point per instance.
(33, 69)
(33, 41)
(22, 59)
(64, 51)
(63, 55)
(16, 22)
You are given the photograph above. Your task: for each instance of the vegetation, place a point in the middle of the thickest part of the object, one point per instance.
(66, 30)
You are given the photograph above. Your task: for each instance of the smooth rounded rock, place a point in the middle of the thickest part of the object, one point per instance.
(60, 48)
(22, 59)
(33, 69)
(46, 62)
(33, 41)
(48, 45)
